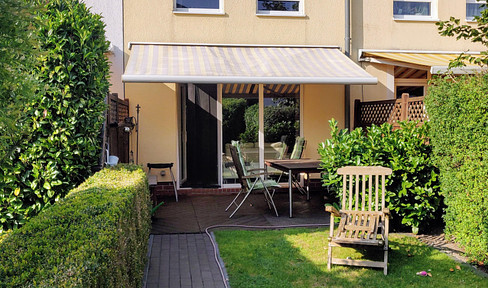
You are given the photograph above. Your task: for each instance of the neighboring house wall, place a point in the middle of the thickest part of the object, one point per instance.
(374, 27)
(111, 11)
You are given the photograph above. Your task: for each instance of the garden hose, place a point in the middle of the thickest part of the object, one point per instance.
(214, 245)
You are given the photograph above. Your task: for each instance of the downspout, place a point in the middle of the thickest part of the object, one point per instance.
(347, 52)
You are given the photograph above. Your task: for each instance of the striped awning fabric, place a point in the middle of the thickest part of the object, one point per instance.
(193, 63)
(245, 89)
(435, 62)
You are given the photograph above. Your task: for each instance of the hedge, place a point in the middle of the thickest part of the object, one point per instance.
(458, 110)
(413, 193)
(95, 237)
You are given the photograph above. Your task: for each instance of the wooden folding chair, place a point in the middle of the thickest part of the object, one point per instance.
(364, 215)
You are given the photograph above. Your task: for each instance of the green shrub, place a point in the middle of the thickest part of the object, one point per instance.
(64, 120)
(458, 110)
(94, 237)
(413, 189)
(17, 59)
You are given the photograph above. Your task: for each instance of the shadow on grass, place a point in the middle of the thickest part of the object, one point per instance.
(298, 258)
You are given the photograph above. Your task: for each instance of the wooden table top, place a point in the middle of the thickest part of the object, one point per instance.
(298, 165)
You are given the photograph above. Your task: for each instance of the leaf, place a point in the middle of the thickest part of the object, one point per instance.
(17, 191)
(47, 185)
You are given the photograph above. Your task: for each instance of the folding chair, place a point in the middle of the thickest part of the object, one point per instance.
(364, 215)
(250, 180)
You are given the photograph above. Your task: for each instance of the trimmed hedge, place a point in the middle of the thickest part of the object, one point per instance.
(95, 237)
(458, 110)
(413, 193)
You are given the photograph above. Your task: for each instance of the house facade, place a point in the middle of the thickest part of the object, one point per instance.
(263, 72)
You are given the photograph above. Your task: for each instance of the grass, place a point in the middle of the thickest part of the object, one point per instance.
(298, 258)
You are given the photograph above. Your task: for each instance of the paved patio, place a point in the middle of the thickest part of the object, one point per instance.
(181, 254)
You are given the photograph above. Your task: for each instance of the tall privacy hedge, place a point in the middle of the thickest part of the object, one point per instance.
(458, 110)
(64, 120)
(413, 193)
(94, 237)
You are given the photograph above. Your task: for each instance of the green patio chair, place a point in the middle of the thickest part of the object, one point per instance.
(297, 153)
(251, 180)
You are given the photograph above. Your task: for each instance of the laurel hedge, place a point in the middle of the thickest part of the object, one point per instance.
(61, 143)
(413, 192)
(94, 237)
(458, 112)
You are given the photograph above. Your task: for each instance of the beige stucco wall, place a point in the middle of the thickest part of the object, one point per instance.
(158, 129)
(320, 104)
(375, 28)
(154, 20)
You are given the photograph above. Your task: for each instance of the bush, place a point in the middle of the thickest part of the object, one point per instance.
(64, 120)
(458, 110)
(412, 189)
(95, 237)
(17, 59)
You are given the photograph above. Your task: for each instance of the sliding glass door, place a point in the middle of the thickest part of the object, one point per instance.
(241, 108)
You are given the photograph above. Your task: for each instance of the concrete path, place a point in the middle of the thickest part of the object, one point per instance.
(182, 260)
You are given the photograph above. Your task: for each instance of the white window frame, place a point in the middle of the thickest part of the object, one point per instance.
(299, 13)
(433, 12)
(219, 11)
(471, 18)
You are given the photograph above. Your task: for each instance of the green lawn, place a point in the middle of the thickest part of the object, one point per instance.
(298, 258)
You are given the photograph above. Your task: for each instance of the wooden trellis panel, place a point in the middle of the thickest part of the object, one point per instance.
(389, 111)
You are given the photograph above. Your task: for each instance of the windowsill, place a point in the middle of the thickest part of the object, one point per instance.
(200, 12)
(416, 19)
(298, 15)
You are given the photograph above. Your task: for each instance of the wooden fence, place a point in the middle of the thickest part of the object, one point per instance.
(118, 139)
(391, 111)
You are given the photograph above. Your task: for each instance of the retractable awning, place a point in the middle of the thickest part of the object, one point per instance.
(435, 62)
(198, 63)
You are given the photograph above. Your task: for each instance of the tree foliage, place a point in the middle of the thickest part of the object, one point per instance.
(64, 119)
(477, 34)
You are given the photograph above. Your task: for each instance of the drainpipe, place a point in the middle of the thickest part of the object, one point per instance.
(347, 52)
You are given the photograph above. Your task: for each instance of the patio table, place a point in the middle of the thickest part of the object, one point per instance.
(293, 167)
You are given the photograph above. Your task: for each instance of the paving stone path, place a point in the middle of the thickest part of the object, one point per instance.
(182, 260)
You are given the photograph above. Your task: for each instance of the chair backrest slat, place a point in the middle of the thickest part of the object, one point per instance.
(382, 191)
(376, 194)
(350, 194)
(357, 192)
(298, 148)
(370, 194)
(363, 193)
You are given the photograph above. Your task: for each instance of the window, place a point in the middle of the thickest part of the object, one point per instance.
(474, 8)
(280, 7)
(415, 10)
(199, 6)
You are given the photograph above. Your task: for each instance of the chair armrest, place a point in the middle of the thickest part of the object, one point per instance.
(332, 210)
(254, 175)
(256, 169)
(386, 211)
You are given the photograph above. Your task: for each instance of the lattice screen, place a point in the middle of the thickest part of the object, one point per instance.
(390, 111)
